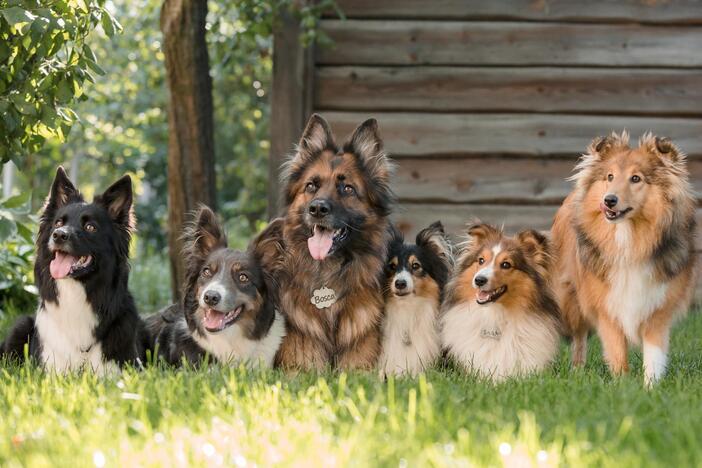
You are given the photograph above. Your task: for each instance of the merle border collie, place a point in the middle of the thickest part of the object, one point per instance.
(86, 317)
(416, 275)
(229, 309)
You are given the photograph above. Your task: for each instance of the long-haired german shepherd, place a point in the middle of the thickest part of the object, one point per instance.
(336, 230)
(86, 317)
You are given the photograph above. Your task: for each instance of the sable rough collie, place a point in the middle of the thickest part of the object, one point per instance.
(337, 202)
(625, 244)
(500, 317)
(415, 279)
(86, 317)
(228, 309)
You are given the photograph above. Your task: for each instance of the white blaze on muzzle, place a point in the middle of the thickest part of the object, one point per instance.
(488, 271)
(405, 276)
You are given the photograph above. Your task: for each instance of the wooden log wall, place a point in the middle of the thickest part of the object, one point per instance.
(486, 105)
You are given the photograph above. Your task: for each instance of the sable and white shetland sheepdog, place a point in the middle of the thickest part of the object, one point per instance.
(415, 279)
(500, 318)
(625, 245)
(86, 317)
(229, 308)
(337, 201)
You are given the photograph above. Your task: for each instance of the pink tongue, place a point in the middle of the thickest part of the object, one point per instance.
(483, 295)
(214, 320)
(320, 243)
(60, 266)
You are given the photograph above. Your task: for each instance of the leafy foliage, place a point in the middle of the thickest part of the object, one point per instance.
(45, 61)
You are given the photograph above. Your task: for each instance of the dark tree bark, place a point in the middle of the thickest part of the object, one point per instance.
(191, 176)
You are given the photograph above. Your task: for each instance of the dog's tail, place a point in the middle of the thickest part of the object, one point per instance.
(19, 337)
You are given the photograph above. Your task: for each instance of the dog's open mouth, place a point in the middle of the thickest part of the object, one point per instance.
(483, 297)
(324, 241)
(613, 215)
(215, 321)
(66, 265)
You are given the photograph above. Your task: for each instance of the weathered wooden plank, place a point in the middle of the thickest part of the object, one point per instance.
(290, 98)
(368, 42)
(493, 180)
(662, 11)
(412, 134)
(541, 89)
(411, 217)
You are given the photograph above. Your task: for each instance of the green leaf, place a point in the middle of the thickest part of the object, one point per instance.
(7, 228)
(17, 16)
(107, 24)
(18, 201)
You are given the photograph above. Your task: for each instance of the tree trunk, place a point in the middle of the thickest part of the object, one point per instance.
(191, 177)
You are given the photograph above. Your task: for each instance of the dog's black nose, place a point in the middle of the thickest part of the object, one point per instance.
(610, 200)
(212, 298)
(480, 281)
(60, 235)
(400, 284)
(319, 208)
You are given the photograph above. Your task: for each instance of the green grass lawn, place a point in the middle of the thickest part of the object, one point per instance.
(241, 416)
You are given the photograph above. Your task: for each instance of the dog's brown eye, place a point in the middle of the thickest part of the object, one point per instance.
(610, 177)
(90, 227)
(206, 272)
(310, 187)
(243, 278)
(392, 267)
(481, 260)
(349, 190)
(505, 265)
(635, 179)
(416, 266)
(58, 223)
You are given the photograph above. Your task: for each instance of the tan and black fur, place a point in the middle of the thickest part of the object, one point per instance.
(351, 184)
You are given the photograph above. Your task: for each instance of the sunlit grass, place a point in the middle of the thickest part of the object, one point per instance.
(239, 416)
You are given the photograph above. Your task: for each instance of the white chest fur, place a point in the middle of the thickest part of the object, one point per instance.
(232, 345)
(411, 340)
(66, 331)
(488, 340)
(634, 293)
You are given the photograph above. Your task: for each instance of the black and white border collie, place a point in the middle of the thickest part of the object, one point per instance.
(415, 279)
(229, 305)
(86, 317)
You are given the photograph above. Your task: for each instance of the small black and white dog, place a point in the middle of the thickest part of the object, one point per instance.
(229, 301)
(415, 279)
(86, 317)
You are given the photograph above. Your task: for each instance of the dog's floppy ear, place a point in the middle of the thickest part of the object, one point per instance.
(62, 192)
(366, 144)
(434, 238)
(601, 147)
(117, 200)
(478, 232)
(663, 147)
(537, 246)
(204, 234)
(268, 246)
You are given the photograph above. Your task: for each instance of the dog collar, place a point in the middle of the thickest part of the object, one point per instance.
(323, 297)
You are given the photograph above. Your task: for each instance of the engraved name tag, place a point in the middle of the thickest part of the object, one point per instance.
(493, 334)
(323, 297)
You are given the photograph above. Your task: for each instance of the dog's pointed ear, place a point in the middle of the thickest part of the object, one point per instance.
(316, 138)
(366, 144)
(118, 199)
(537, 246)
(62, 191)
(434, 238)
(268, 246)
(204, 234)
